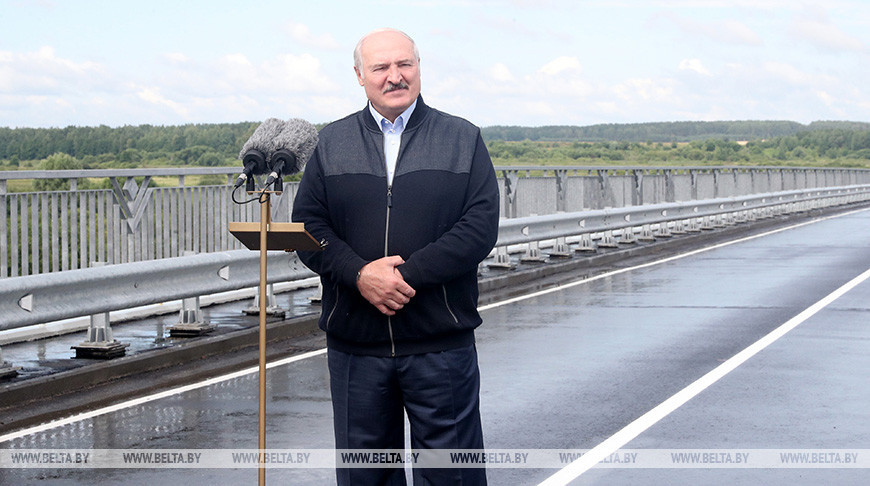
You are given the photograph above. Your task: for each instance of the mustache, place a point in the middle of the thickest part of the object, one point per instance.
(395, 86)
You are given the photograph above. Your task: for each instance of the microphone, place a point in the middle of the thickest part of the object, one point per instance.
(256, 151)
(293, 147)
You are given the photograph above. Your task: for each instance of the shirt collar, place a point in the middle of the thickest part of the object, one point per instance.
(401, 121)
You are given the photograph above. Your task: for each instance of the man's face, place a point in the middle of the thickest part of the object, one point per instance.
(390, 73)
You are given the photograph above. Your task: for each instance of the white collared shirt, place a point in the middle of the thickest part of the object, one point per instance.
(392, 136)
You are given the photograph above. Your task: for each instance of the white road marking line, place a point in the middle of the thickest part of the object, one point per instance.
(647, 420)
(156, 396)
(291, 359)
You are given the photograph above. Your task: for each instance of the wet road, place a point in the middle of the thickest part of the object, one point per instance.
(569, 368)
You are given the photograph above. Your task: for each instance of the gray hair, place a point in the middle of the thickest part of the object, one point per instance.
(357, 54)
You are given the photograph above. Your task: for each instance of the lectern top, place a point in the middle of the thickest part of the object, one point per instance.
(280, 236)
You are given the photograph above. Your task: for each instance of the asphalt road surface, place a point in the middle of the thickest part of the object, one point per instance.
(756, 346)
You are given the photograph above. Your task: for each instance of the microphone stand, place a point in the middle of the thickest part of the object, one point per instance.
(265, 219)
(265, 236)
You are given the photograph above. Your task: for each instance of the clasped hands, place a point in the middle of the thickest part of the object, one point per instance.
(383, 286)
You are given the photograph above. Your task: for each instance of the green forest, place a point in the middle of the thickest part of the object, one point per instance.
(668, 131)
(830, 144)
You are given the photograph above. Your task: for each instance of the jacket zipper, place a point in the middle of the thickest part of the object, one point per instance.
(386, 254)
(447, 304)
(334, 307)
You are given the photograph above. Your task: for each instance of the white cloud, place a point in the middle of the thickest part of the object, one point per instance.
(561, 78)
(540, 108)
(828, 99)
(773, 77)
(735, 32)
(282, 74)
(832, 103)
(43, 72)
(646, 89)
(152, 95)
(561, 65)
(788, 73)
(302, 33)
(233, 87)
(728, 31)
(181, 89)
(176, 57)
(815, 27)
(694, 65)
(501, 73)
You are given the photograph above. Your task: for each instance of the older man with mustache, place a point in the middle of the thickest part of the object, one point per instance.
(406, 197)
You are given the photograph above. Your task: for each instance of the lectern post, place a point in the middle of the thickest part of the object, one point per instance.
(265, 216)
(265, 236)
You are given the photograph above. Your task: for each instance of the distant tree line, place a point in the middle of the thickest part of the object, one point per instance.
(827, 147)
(665, 131)
(129, 146)
(831, 143)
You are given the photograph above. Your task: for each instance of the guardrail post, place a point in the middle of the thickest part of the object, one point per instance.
(607, 240)
(533, 254)
(561, 248)
(6, 369)
(707, 223)
(663, 231)
(502, 259)
(272, 307)
(190, 321)
(692, 226)
(586, 244)
(100, 343)
(646, 233)
(627, 236)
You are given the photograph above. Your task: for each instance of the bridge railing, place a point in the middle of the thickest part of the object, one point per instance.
(56, 231)
(35, 299)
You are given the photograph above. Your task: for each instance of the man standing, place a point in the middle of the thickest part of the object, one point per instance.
(405, 197)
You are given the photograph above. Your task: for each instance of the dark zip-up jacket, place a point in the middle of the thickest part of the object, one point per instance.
(440, 215)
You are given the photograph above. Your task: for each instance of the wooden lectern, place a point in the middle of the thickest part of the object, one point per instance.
(266, 235)
(279, 236)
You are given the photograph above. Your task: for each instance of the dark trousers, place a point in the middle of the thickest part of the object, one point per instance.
(440, 393)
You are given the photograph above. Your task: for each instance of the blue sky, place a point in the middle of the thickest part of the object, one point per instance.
(520, 62)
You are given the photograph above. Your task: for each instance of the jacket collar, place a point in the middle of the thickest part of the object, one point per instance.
(417, 116)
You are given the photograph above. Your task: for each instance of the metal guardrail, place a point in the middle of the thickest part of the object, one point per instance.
(36, 299)
(538, 228)
(44, 298)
